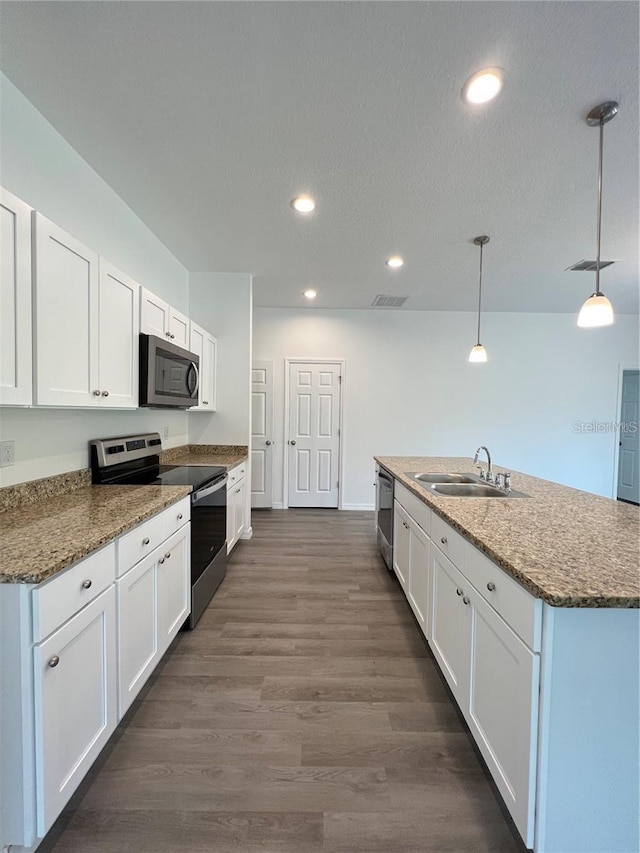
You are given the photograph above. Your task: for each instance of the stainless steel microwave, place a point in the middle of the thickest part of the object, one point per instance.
(169, 375)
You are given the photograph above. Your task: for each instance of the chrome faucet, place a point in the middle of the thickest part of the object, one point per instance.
(488, 474)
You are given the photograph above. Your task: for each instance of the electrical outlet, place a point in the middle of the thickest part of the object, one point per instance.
(165, 433)
(7, 453)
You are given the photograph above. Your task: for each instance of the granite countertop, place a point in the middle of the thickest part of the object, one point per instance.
(41, 537)
(226, 455)
(569, 548)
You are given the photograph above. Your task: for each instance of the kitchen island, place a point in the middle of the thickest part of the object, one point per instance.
(530, 607)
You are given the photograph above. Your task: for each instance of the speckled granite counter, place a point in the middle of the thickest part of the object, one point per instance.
(40, 538)
(567, 547)
(227, 455)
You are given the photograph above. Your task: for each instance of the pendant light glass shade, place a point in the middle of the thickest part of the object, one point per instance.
(596, 311)
(478, 353)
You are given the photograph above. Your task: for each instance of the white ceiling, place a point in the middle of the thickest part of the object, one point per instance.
(208, 118)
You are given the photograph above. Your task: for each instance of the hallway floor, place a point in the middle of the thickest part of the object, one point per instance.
(304, 714)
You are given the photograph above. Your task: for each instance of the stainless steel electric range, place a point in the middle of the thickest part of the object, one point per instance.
(134, 460)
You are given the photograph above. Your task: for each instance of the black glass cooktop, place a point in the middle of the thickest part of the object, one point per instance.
(172, 475)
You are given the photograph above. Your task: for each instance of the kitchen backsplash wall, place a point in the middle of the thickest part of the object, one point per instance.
(410, 390)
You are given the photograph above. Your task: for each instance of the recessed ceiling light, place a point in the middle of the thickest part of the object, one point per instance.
(483, 86)
(395, 262)
(310, 293)
(303, 204)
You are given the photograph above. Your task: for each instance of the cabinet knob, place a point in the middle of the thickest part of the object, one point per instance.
(53, 661)
(238, 491)
(491, 586)
(458, 591)
(97, 393)
(105, 393)
(168, 554)
(406, 525)
(161, 560)
(466, 599)
(145, 541)
(86, 584)
(293, 441)
(179, 516)
(172, 337)
(168, 334)
(443, 539)
(268, 443)
(205, 402)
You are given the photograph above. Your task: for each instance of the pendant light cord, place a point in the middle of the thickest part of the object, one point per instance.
(480, 293)
(599, 209)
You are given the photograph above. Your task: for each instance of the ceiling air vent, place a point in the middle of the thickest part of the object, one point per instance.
(588, 266)
(389, 301)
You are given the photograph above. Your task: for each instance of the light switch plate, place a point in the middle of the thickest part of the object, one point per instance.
(7, 453)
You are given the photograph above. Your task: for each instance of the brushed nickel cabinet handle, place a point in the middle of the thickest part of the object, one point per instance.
(466, 599)
(458, 591)
(53, 661)
(145, 541)
(86, 584)
(491, 586)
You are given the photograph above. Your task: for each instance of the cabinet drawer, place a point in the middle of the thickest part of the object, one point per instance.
(450, 543)
(174, 516)
(418, 511)
(519, 609)
(237, 473)
(59, 598)
(139, 542)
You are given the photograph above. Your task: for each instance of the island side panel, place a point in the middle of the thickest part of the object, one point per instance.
(588, 761)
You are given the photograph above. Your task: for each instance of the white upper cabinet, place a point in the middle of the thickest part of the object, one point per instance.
(86, 325)
(158, 318)
(119, 329)
(15, 301)
(205, 346)
(66, 318)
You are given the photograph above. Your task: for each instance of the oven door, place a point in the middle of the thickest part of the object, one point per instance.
(169, 375)
(208, 525)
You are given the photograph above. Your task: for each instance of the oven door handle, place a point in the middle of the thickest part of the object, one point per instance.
(209, 490)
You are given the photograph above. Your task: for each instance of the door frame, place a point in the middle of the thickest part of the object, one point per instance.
(622, 369)
(285, 467)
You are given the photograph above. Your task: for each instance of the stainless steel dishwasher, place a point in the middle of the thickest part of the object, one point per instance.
(384, 515)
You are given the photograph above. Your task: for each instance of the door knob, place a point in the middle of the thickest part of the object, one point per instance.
(268, 443)
(293, 441)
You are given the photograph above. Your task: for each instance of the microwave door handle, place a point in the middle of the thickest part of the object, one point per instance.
(203, 493)
(194, 367)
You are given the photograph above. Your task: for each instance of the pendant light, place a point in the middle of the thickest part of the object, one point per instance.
(478, 352)
(597, 310)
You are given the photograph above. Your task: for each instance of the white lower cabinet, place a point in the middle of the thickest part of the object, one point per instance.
(236, 498)
(174, 586)
(75, 702)
(451, 627)
(401, 534)
(411, 549)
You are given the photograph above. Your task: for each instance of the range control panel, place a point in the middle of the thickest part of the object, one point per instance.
(125, 448)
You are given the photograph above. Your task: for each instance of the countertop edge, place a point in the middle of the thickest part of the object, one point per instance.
(573, 602)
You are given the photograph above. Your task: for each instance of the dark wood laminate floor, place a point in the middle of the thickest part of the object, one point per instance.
(304, 714)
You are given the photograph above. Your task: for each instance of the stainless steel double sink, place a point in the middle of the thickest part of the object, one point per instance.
(461, 486)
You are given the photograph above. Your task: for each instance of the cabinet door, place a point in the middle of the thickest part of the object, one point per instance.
(137, 595)
(119, 300)
(15, 301)
(174, 586)
(239, 509)
(75, 701)
(419, 580)
(208, 372)
(502, 712)
(196, 345)
(178, 328)
(154, 314)
(401, 534)
(451, 625)
(66, 319)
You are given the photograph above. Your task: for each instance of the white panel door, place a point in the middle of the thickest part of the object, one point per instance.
(15, 301)
(209, 372)
(174, 586)
(262, 434)
(401, 544)
(154, 315)
(451, 625)
(119, 314)
(75, 701)
(419, 581)
(66, 316)
(314, 418)
(629, 457)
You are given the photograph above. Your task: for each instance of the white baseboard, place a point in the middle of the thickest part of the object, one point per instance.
(277, 505)
(360, 507)
(247, 533)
